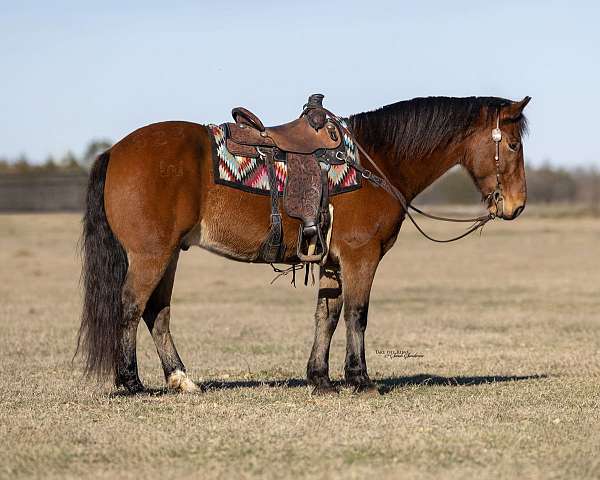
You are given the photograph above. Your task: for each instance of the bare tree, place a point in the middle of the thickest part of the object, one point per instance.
(94, 148)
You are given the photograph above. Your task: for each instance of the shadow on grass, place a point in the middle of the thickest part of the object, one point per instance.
(216, 385)
(385, 385)
(388, 384)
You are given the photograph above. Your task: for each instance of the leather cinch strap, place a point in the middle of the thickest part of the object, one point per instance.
(272, 247)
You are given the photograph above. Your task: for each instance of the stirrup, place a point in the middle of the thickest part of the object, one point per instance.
(316, 247)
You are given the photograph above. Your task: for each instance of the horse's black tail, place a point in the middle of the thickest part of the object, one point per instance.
(103, 274)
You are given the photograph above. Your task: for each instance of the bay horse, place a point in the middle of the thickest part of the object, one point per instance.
(153, 194)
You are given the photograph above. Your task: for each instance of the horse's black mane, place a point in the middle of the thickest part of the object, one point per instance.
(415, 128)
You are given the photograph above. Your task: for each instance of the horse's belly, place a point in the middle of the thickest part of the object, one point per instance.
(217, 238)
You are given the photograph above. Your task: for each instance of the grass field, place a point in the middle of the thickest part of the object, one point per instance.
(508, 385)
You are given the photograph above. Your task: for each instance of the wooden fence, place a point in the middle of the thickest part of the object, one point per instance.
(42, 192)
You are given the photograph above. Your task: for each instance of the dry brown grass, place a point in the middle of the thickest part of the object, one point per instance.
(520, 304)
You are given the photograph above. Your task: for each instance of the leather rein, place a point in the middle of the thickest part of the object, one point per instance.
(382, 180)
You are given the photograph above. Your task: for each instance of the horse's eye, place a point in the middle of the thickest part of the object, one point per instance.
(514, 146)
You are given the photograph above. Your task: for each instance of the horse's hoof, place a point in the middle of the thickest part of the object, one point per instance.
(325, 390)
(180, 382)
(133, 387)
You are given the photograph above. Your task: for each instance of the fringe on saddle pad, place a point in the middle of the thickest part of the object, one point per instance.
(282, 272)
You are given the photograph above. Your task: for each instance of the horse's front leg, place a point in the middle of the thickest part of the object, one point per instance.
(329, 307)
(358, 272)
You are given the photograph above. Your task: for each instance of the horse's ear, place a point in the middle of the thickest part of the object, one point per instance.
(515, 109)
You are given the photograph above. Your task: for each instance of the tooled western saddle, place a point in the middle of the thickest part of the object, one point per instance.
(309, 146)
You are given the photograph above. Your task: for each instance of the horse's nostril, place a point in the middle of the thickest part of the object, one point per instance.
(518, 211)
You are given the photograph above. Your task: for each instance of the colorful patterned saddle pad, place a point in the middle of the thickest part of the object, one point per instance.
(250, 174)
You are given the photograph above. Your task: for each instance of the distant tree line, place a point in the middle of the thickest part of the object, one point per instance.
(545, 184)
(68, 163)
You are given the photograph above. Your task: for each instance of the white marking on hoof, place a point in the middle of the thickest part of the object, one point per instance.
(178, 380)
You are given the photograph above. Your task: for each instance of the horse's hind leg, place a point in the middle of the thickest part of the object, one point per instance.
(143, 274)
(157, 317)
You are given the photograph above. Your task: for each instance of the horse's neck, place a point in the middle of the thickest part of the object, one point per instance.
(413, 175)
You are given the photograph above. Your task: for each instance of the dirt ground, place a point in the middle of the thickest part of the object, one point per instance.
(508, 384)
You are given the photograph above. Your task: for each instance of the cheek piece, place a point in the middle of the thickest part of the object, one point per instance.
(496, 195)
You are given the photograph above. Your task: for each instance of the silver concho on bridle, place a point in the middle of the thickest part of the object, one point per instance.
(496, 195)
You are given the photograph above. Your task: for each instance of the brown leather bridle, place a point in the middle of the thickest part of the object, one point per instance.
(382, 181)
(496, 195)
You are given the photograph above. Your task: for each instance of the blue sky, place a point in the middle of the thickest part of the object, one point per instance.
(72, 72)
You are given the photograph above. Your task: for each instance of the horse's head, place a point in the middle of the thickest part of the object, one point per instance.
(494, 159)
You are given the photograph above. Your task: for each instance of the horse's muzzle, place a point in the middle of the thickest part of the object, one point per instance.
(514, 214)
(511, 214)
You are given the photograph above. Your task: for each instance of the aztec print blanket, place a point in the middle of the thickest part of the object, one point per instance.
(250, 174)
